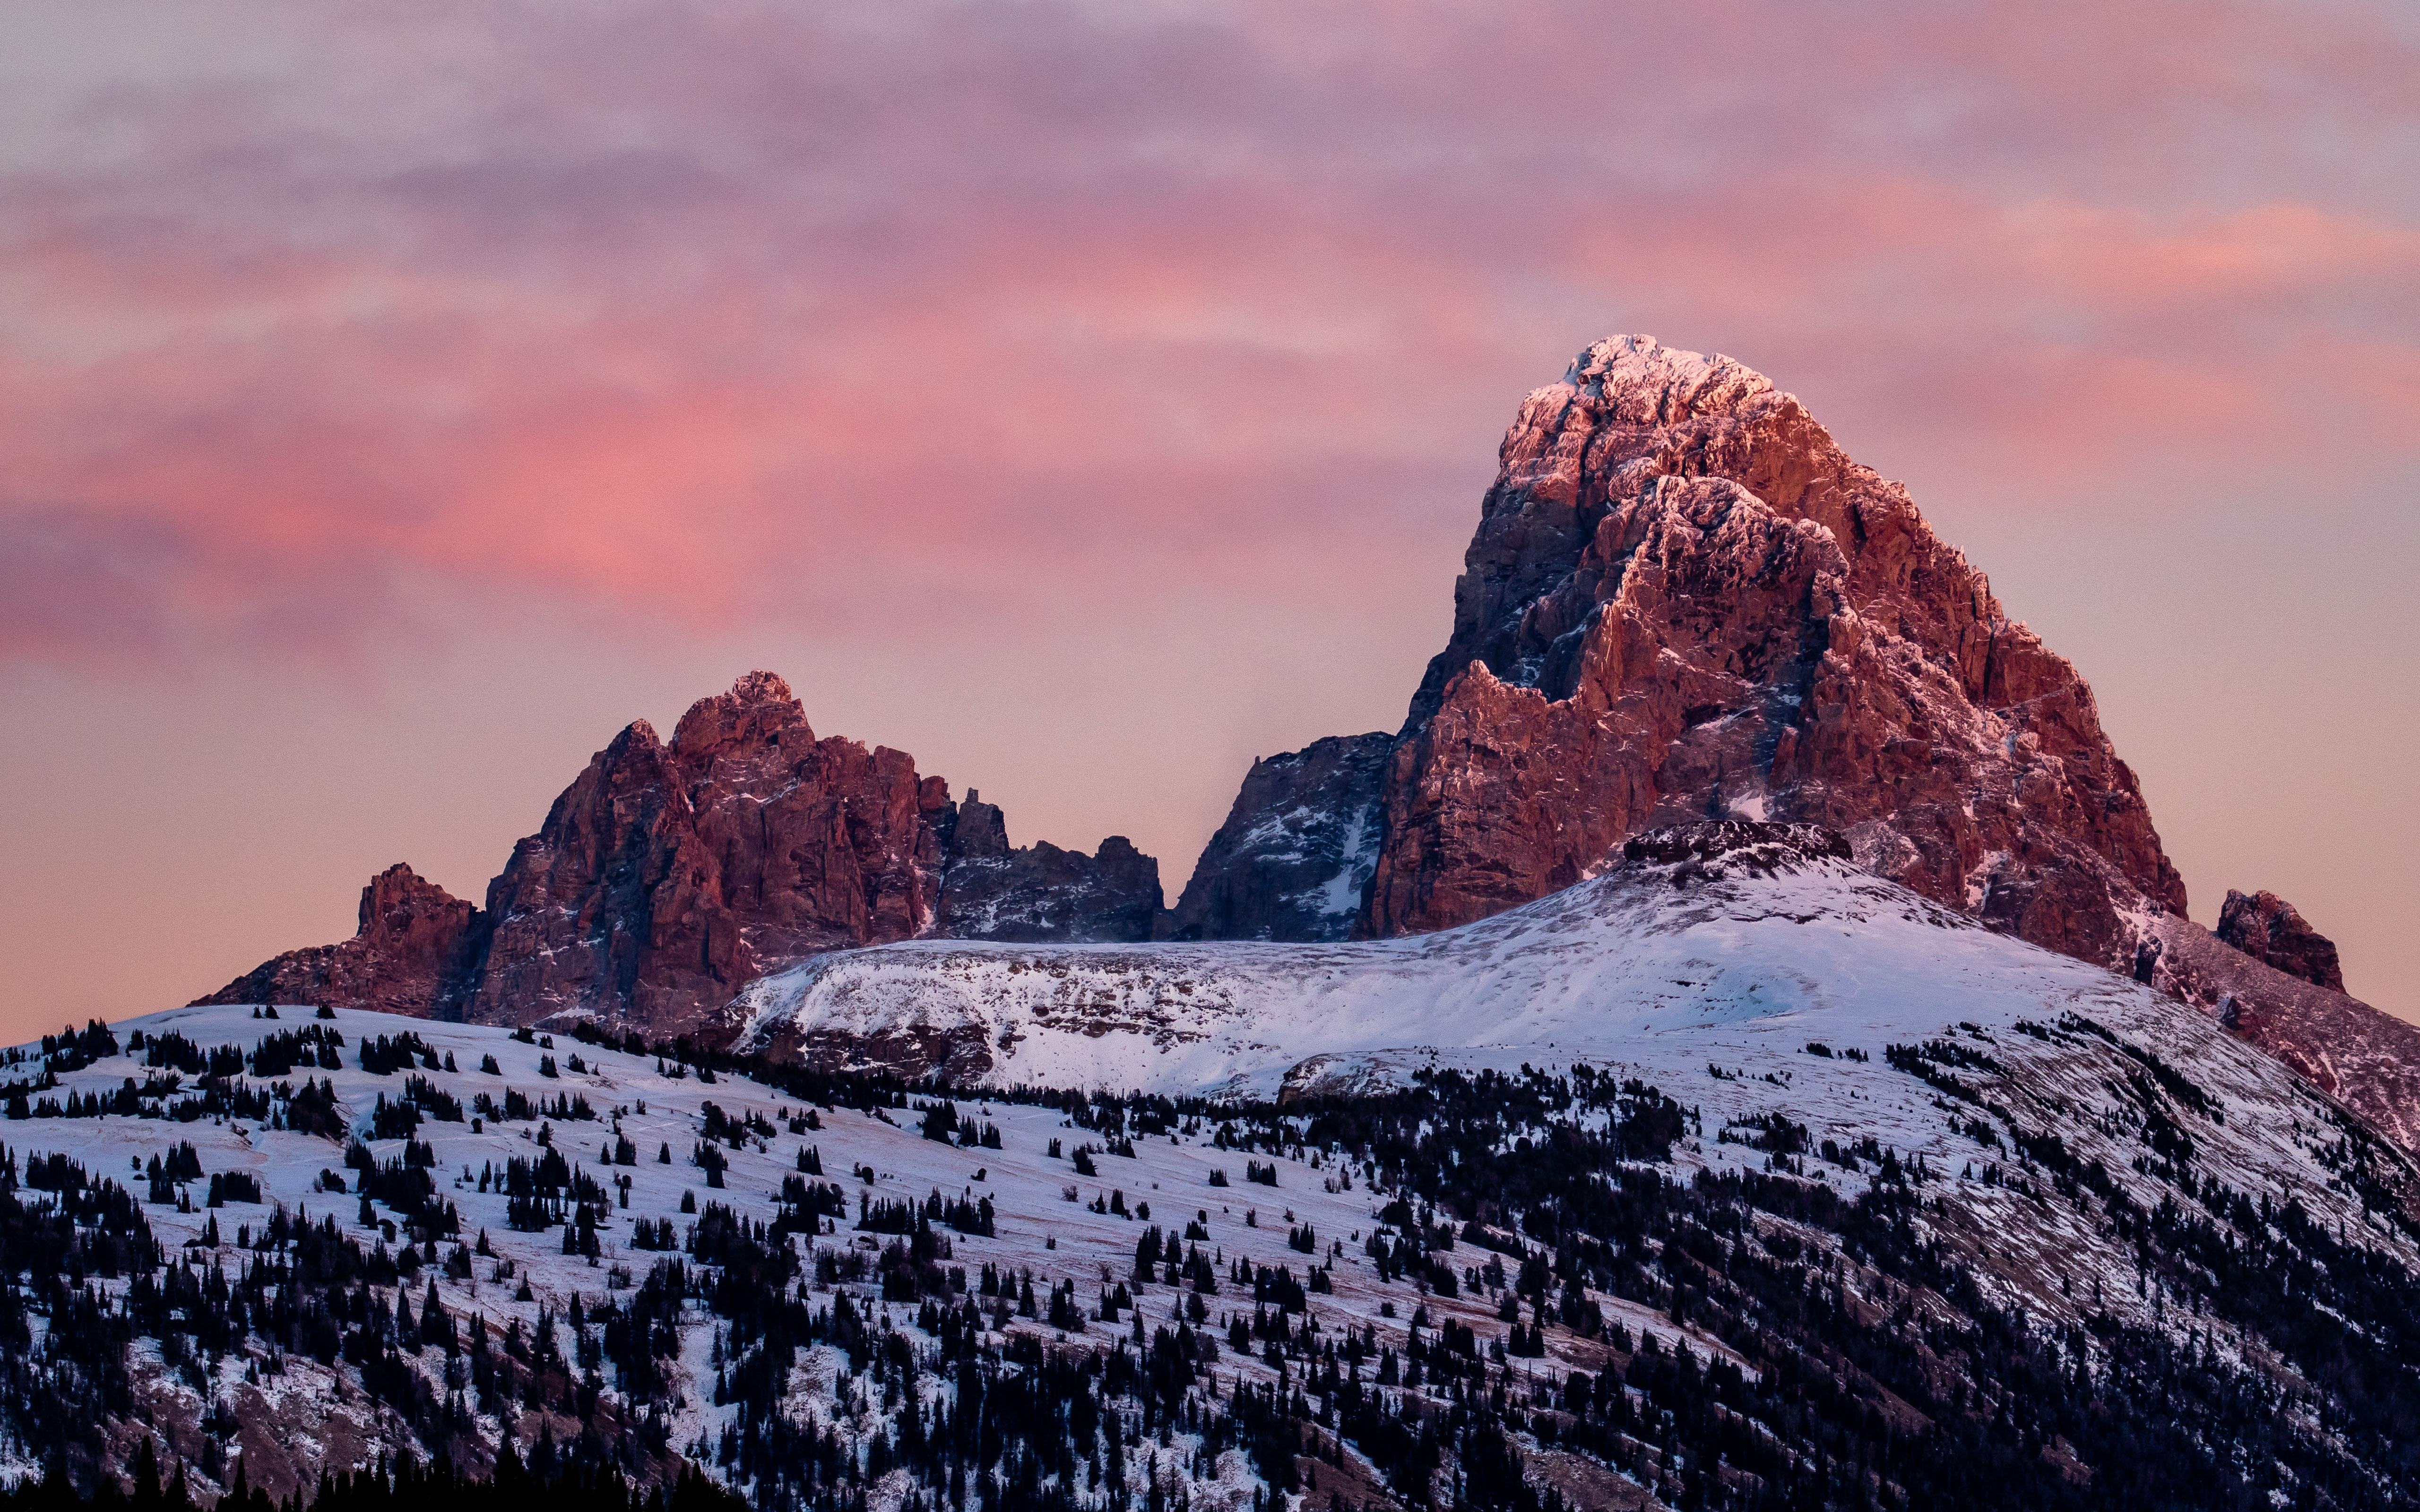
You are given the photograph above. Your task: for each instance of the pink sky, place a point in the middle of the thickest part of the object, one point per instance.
(394, 401)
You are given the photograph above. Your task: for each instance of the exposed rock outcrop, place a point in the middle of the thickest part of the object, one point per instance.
(2271, 930)
(1684, 601)
(1041, 892)
(1711, 849)
(1295, 854)
(668, 875)
(977, 830)
(413, 953)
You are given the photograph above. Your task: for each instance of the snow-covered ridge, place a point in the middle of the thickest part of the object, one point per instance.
(1735, 939)
(1750, 969)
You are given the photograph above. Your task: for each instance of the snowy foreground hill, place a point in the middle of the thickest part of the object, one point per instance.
(288, 1424)
(1736, 1178)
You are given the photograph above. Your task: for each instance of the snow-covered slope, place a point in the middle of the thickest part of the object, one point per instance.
(307, 1417)
(1751, 970)
(1741, 943)
(1746, 969)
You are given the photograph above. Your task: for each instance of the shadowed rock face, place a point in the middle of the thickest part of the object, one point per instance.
(1758, 849)
(1683, 601)
(1041, 892)
(2270, 930)
(668, 875)
(1295, 854)
(412, 954)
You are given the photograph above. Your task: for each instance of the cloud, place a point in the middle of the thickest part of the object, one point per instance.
(689, 320)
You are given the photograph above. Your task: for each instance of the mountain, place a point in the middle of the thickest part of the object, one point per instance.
(1298, 848)
(1772, 1067)
(1736, 1177)
(2341, 1044)
(1683, 601)
(668, 875)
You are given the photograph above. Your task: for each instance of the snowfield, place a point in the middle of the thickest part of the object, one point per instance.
(1655, 969)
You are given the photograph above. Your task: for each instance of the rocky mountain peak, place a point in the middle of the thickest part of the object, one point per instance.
(666, 877)
(1296, 852)
(759, 710)
(1645, 382)
(990, 891)
(980, 830)
(637, 735)
(414, 951)
(1684, 601)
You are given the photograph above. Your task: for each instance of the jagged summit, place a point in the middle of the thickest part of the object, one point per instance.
(1648, 383)
(760, 708)
(757, 687)
(2272, 930)
(1684, 600)
(414, 949)
(1297, 849)
(666, 877)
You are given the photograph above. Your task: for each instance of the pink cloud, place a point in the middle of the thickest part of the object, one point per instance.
(703, 323)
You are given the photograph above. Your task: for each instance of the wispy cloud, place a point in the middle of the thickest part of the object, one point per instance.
(702, 317)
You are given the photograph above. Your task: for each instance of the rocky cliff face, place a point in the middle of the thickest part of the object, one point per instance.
(1039, 893)
(2270, 930)
(413, 954)
(1297, 849)
(668, 875)
(1684, 601)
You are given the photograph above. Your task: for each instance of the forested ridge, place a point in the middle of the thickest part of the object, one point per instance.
(1747, 1339)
